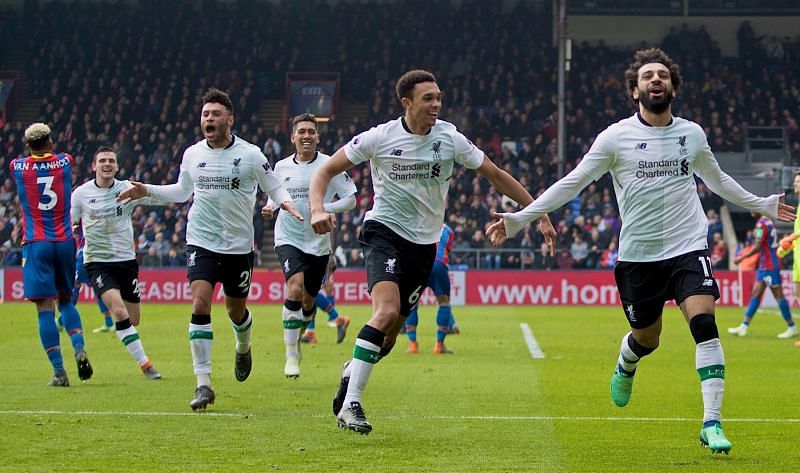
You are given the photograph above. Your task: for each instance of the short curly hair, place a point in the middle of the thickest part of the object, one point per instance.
(214, 95)
(647, 56)
(405, 84)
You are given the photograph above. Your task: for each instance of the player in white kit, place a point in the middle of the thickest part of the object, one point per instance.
(109, 258)
(653, 158)
(223, 172)
(303, 254)
(411, 159)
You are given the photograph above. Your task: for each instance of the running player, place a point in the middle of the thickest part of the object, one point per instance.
(110, 259)
(768, 274)
(412, 160)
(223, 172)
(44, 184)
(663, 251)
(304, 255)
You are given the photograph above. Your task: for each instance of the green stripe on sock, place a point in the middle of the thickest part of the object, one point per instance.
(127, 340)
(200, 334)
(713, 371)
(292, 324)
(366, 355)
(242, 328)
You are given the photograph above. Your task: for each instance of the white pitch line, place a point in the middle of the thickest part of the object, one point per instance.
(127, 413)
(486, 418)
(536, 352)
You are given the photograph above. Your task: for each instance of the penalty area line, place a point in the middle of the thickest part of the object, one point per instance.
(530, 340)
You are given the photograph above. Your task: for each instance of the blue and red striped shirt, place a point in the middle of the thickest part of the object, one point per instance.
(767, 243)
(44, 186)
(445, 244)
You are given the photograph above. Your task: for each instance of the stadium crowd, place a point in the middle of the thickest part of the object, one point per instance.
(118, 74)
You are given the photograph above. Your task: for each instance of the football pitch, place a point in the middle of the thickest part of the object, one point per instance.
(497, 405)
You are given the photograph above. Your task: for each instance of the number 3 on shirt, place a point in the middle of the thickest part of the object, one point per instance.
(47, 192)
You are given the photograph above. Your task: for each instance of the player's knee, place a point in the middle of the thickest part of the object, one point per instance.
(119, 313)
(641, 350)
(387, 347)
(703, 328)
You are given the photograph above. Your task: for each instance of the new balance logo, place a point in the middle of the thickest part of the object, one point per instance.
(390, 265)
(266, 168)
(396, 152)
(287, 179)
(642, 146)
(708, 282)
(201, 165)
(92, 201)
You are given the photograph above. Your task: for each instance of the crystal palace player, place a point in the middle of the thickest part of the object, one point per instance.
(768, 274)
(48, 247)
(412, 160)
(663, 253)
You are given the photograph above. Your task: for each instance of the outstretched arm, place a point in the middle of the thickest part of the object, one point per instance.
(553, 198)
(509, 186)
(708, 169)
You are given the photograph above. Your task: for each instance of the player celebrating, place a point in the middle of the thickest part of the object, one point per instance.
(412, 160)
(768, 274)
(304, 255)
(48, 247)
(663, 252)
(109, 256)
(439, 282)
(223, 172)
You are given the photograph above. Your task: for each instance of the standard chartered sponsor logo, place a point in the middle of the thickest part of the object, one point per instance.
(405, 172)
(663, 168)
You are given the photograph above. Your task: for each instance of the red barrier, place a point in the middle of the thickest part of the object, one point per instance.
(468, 287)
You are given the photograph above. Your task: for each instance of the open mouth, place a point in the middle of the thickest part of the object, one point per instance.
(210, 129)
(657, 91)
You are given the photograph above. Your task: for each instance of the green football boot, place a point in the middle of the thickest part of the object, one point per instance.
(621, 388)
(714, 438)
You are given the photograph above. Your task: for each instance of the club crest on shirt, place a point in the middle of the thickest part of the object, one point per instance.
(236, 163)
(682, 143)
(437, 150)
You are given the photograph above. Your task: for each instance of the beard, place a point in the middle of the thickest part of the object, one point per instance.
(657, 105)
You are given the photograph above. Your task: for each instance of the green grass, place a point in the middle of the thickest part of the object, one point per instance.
(488, 408)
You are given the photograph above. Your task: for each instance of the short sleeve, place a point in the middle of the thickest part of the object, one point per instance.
(361, 148)
(466, 153)
(343, 185)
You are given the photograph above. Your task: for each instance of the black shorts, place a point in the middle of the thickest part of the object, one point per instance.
(313, 267)
(233, 271)
(122, 275)
(390, 257)
(645, 287)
